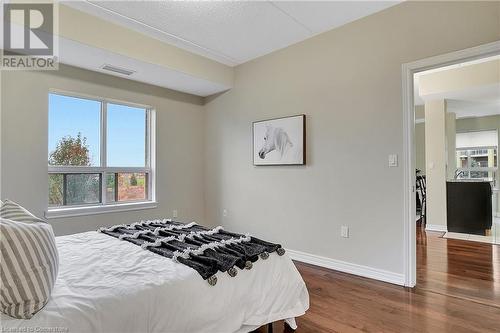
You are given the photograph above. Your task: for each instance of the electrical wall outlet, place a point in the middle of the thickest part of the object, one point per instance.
(224, 212)
(175, 213)
(344, 231)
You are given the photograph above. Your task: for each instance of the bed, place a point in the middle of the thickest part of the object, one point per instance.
(108, 285)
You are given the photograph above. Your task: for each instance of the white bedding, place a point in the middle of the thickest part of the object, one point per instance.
(108, 285)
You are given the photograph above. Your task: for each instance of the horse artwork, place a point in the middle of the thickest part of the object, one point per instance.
(279, 141)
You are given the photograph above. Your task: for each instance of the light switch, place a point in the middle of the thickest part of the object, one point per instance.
(393, 160)
(344, 231)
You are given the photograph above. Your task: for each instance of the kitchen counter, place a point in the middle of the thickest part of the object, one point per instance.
(469, 206)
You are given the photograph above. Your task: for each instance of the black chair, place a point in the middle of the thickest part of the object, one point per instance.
(421, 191)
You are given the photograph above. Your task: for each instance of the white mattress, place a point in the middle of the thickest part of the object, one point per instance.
(108, 285)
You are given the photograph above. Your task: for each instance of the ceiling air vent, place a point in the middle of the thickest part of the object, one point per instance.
(118, 70)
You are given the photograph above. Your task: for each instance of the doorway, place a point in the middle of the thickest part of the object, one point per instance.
(409, 158)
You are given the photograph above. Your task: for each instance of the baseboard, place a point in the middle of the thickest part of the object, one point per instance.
(346, 267)
(436, 227)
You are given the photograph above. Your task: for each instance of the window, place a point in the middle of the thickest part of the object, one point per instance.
(100, 156)
(477, 155)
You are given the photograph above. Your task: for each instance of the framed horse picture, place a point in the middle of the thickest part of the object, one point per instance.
(280, 141)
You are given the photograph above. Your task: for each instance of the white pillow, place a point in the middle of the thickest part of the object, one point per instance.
(29, 263)
(15, 212)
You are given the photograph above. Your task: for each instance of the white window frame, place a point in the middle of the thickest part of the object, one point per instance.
(104, 170)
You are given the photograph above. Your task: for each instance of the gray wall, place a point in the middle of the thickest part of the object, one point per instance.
(24, 116)
(348, 83)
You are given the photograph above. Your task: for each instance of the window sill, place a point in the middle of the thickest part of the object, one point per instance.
(54, 213)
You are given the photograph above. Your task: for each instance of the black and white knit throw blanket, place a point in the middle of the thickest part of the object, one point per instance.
(207, 251)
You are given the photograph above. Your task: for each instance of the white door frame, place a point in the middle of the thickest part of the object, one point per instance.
(409, 229)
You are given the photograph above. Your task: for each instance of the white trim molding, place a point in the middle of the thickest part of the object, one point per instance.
(408, 109)
(436, 227)
(347, 267)
(68, 211)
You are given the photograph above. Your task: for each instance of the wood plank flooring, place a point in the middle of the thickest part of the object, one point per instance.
(458, 290)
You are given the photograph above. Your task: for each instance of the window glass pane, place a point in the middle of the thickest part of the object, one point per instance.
(110, 187)
(126, 136)
(478, 174)
(132, 186)
(74, 189)
(74, 131)
(82, 189)
(55, 189)
(461, 159)
(477, 158)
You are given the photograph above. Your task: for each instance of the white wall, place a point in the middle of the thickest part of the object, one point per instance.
(458, 81)
(24, 116)
(436, 159)
(451, 144)
(471, 139)
(348, 83)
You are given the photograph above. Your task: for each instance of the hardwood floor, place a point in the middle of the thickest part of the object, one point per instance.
(458, 290)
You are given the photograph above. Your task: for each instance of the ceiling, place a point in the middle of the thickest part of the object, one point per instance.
(95, 58)
(478, 101)
(473, 109)
(228, 32)
(231, 32)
